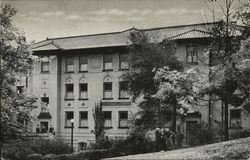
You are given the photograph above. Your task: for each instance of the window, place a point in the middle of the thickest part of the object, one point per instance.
(192, 54)
(124, 61)
(69, 91)
(45, 100)
(68, 116)
(83, 88)
(124, 89)
(69, 64)
(235, 118)
(83, 63)
(83, 122)
(108, 62)
(45, 103)
(45, 66)
(20, 89)
(107, 87)
(107, 119)
(123, 119)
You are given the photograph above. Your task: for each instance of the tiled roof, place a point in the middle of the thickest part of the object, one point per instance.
(122, 38)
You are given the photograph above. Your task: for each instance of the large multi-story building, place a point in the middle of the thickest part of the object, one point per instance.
(85, 71)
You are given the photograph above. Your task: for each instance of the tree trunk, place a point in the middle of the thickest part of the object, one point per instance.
(174, 118)
(209, 112)
(226, 120)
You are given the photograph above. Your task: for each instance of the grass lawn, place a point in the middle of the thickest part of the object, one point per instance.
(235, 149)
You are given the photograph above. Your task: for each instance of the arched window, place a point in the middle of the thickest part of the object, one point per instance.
(83, 88)
(107, 87)
(123, 88)
(69, 89)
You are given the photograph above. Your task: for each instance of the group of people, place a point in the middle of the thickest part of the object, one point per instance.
(167, 139)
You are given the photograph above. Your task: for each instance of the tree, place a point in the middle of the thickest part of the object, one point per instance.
(145, 56)
(16, 61)
(99, 125)
(224, 77)
(225, 44)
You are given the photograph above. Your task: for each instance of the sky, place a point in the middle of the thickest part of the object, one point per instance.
(40, 19)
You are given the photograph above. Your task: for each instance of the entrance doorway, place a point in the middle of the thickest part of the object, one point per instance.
(191, 132)
(44, 127)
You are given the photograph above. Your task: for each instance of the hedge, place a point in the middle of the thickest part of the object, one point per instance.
(84, 155)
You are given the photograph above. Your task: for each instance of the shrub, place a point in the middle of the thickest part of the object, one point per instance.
(133, 144)
(240, 134)
(202, 134)
(50, 147)
(21, 149)
(17, 151)
(89, 155)
(34, 157)
(49, 157)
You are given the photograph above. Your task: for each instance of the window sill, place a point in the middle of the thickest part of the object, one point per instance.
(68, 127)
(83, 99)
(235, 127)
(123, 69)
(83, 71)
(44, 72)
(69, 99)
(108, 127)
(83, 127)
(107, 98)
(124, 98)
(107, 70)
(69, 72)
(123, 127)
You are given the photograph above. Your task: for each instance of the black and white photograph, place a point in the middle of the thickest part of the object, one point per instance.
(125, 79)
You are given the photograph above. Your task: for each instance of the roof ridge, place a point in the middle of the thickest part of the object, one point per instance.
(176, 26)
(148, 29)
(188, 32)
(57, 45)
(87, 35)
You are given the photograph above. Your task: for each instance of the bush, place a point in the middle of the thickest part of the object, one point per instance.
(89, 155)
(19, 150)
(34, 157)
(133, 144)
(240, 134)
(50, 147)
(202, 134)
(49, 157)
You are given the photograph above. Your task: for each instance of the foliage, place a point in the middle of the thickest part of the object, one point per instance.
(226, 80)
(202, 134)
(16, 61)
(19, 150)
(146, 55)
(135, 143)
(90, 155)
(240, 134)
(48, 146)
(177, 86)
(34, 157)
(99, 125)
